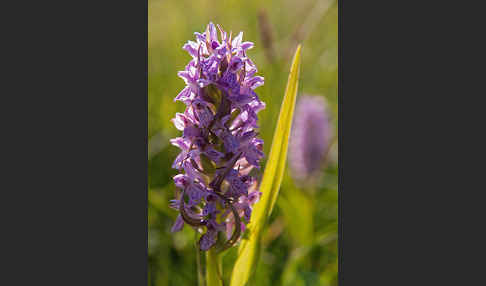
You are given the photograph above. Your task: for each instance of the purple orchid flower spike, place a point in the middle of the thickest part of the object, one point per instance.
(310, 140)
(219, 143)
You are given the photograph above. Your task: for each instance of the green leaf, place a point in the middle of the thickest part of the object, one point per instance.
(249, 250)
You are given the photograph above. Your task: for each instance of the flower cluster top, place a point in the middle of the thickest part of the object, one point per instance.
(219, 144)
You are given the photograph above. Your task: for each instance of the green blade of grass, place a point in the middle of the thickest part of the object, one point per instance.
(249, 250)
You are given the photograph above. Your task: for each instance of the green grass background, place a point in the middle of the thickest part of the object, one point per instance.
(301, 240)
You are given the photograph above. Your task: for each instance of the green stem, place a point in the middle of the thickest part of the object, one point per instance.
(214, 268)
(200, 275)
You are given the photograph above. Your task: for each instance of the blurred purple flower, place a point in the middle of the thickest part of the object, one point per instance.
(310, 138)
(219, 145)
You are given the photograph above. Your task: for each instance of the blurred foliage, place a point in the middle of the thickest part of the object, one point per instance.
(300, 244)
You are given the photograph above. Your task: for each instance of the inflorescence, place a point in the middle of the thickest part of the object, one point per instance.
(309, 143)
(219, 145)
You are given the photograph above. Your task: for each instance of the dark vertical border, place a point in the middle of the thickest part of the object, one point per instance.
(411, 218)
(82, 156)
